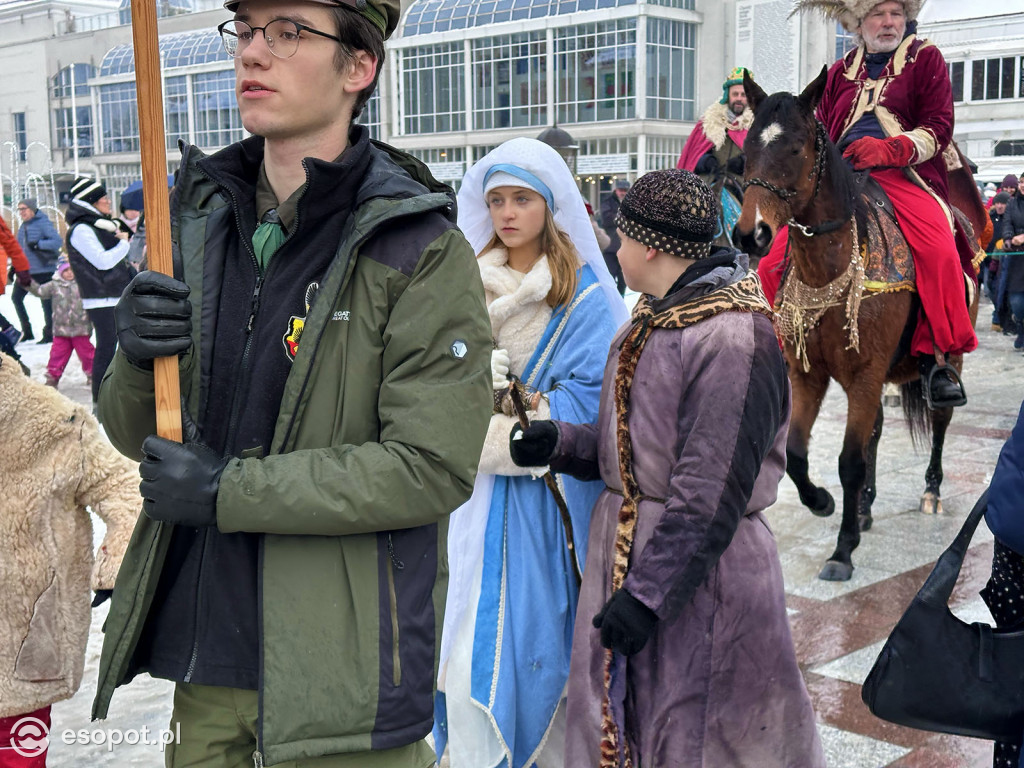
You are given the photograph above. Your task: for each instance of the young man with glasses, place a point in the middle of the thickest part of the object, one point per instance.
(289, 571)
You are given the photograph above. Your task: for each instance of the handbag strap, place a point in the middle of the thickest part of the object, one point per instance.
(938, 587)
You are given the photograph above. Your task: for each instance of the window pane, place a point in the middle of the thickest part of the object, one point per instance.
(433, 87)
(595, 75)
(978, 80)
(956, 76)
(1006, 79)
(510, 81)
(670, 72)
(992, 79)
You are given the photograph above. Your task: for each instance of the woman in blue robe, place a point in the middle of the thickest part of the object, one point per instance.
(512, 590)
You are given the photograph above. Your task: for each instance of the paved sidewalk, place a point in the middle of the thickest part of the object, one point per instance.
(838, 628)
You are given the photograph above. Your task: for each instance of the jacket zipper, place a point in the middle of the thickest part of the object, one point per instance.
(195, 636)
(236, 410)
(396, 660)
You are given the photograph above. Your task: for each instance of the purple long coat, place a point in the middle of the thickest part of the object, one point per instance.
(718, 683)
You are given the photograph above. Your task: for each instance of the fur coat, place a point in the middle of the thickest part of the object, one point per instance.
(55, 464)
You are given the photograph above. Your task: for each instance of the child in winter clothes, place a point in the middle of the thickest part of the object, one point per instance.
(55, 464)
(71, 326)
(682, 615)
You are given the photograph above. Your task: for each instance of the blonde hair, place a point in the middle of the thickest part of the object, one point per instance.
(563, 260)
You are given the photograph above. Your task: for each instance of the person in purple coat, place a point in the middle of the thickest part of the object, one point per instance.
(682, 653)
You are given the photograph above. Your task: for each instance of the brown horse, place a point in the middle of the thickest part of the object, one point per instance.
(796, 175)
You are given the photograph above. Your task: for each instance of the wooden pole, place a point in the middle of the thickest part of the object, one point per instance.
(149, 97)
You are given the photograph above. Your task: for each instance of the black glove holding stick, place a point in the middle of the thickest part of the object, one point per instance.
(153, 318)
(180, 480)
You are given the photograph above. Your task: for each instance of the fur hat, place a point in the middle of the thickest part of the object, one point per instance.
(383, 13)
(673, 211)
(87, 190)
(735, 78)
(850, 13)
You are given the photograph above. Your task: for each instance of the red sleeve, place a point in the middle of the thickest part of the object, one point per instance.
(10, 245)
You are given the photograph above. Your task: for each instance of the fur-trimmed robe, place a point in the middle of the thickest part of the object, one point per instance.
(55, 464)
(711, 133)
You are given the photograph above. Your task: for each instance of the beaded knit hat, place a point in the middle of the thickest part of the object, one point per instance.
(673, 211)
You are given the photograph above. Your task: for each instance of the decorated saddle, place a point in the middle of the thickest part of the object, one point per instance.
(888, 263)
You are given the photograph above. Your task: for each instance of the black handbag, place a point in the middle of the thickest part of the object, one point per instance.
(937, 673)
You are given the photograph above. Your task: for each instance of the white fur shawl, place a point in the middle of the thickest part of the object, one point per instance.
(519, 314)
(717, 121)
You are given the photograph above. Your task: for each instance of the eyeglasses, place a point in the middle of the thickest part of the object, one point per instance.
(282, 36)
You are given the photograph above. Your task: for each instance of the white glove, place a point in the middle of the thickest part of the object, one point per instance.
(499, 368)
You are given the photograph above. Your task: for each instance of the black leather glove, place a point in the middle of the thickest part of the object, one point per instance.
(626, 624)
(533, 446)
(153, 318)
(737, 164)
(101, 596)
(707, 164)
(180, 481)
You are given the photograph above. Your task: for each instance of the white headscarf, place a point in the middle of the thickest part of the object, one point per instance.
(543, 164)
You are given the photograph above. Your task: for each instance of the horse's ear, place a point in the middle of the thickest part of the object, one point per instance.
(755, 95)
(812, 93)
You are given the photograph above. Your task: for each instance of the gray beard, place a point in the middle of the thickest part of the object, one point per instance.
(733, 106)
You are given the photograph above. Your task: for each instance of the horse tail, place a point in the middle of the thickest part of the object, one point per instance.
(916, 413)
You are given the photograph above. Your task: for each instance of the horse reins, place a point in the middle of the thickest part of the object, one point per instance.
(787, 194)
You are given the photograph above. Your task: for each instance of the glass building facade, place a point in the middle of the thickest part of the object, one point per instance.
(620, 75)
(461, 76)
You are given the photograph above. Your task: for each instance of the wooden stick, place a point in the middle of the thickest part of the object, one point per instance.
(146, 41)
(549, 479)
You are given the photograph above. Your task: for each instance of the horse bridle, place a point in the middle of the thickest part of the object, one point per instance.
(820, 138)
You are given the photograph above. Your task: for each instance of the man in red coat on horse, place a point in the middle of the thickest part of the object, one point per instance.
(888, 106)
(716, 142)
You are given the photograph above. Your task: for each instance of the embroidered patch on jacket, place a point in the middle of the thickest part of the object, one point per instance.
(296, 324)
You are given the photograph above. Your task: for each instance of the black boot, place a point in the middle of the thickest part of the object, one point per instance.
(47, 336)
(941, 385)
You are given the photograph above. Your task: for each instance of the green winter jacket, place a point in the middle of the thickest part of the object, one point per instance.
(377, 441)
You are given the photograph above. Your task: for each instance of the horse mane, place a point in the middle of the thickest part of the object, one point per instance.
(787, 110)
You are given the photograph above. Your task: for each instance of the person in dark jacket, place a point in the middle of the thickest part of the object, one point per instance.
(993, 254)
(289, 571)
(682, 614)
(1013, 244)
(609, 210)
(41, 244)
(1004, 592)
(97, 249)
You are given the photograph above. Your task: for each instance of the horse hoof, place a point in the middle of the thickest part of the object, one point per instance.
(864, 521)
(824, 504)
(931, 504)
(836, 571)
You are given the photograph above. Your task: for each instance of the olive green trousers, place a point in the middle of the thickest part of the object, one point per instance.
(218, 730)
